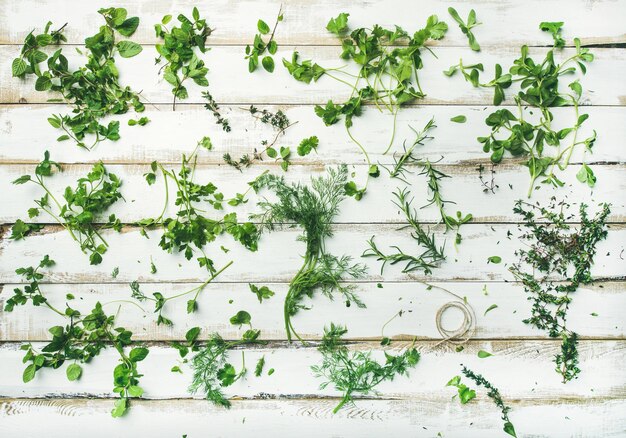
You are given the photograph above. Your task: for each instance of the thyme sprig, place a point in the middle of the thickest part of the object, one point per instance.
(83, 206)
(312, 208)
(556, 259)
(211, 105)
(93, 90)
(493, 394)
(355, 371)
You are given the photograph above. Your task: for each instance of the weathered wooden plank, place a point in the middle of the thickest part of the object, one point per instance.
(596, 311)
(279, 256)
(522, 370)
(603, 84)
(305, 21)
(25, 134)
(463, 187)
(422, 417)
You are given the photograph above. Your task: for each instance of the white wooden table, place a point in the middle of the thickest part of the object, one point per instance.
(289, 403)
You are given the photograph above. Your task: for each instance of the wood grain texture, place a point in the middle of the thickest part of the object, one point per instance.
(25, 134)
(596, 311)
(462, 187)
(305, 21)
(280, 260)
(529, 361)
(423, 417)
(289, 402)
(602, 85)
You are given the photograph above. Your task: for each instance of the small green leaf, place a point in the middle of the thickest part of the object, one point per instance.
(242, 317)
(29, 373)
(483, 354)
(128, 49)
(263, 27)
(74, 371)
(268, 63)
(18, 67)
(459, 119)
(490, 308)
(494, 259)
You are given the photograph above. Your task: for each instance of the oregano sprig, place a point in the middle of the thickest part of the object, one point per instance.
(260, 47)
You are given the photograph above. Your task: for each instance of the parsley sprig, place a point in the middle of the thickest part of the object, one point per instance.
(83, 206)
(93, 90)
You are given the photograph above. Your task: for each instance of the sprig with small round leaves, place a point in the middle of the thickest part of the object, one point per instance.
(466, 28)
(178, 46)
(555, 260)
(493, 394)
(83, 206)
(259, 47)
(93, 90)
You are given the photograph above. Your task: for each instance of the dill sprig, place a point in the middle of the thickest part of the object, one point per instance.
(211, 369)
(493, 394)
(432, 253)
(555, 260)
(312, 208)
(355, 371)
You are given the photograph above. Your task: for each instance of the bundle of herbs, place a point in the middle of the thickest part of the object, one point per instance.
(93, 90)
(312, 208)
(555, 260)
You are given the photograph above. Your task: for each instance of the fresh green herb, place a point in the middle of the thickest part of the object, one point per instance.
(260, 47)
(539, 83)
(177, 49)
(191, 343)
(258, 370)
(211, 105)
(355, 371)
(211, 369)
(465, 394)
(93, 90)
(490, 308)
(262, 293)
(489, 186)
(466, 28)
(240, 318)
(280, 122)
(387, 76)
(493, 394)
(82, 209)
(586, 175)
(499, 83)
(431, 253)
(22, 229)
(555, 259)
(143, 121)
(160, 300)
(190, 229)
(555, 30)
(484, 354)
(494, 259)
(115, 272)
(459, 119)
(407, 157)
(313, 209)
(307, 145)
(82, 339)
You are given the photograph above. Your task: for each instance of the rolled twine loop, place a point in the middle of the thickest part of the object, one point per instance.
(461, 334)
